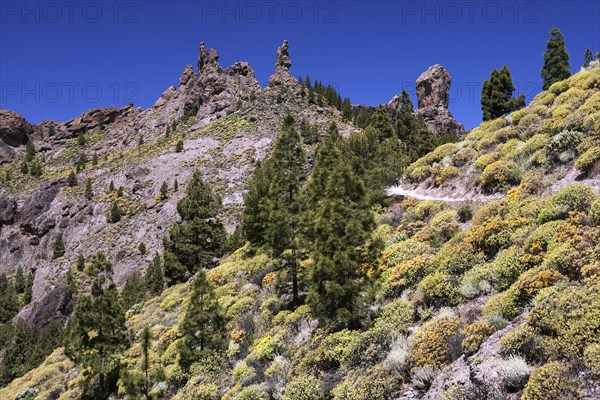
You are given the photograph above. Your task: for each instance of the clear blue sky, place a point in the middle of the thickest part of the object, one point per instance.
(59, 58)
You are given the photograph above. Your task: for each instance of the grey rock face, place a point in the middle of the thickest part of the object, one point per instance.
(14, 128)
(58, 304)
(8, 211)
(6, 153)
(187, 75)
(433, 87)
(89, 120)
(32, 220)
(433, 92)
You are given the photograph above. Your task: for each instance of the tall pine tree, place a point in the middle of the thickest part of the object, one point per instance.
(556, 60)
(497, 95)
(154, 277)
(200, 238)
(203, 326)
(283, 199)
(342, 225)
(96, 332)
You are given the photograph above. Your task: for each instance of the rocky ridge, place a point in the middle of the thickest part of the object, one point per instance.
(226, 122)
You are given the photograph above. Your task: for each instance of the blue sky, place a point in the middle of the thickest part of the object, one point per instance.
(59, 58)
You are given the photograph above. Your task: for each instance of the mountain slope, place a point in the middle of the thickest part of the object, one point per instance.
(497, 299)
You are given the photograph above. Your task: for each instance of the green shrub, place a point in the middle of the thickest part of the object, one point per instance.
(303, 388)
(499, 274)
(486, 159)
(507, 304)
(437, 343)
(564, 141)
(575, 197)
(523, 340)
(399, 314)
(360, 386)
(514, 373)
(568, 317)
(499, 174)
(474, 335)
(595, 212)
(552, 381)
(438, 290)
(588, 160)
(591, 358)
(444, 225)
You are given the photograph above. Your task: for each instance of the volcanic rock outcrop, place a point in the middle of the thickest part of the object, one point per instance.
(283, 62)
(14, 132)
(433, 92)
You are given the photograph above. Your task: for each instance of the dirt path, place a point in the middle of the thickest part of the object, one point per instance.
(421, 195)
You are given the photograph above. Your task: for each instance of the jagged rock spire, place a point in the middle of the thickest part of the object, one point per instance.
(207, 58)
(433, 93)
(187, 75)
(283, 63)
(282, 59)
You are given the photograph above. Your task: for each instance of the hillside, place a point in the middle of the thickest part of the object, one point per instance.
(489, 293)
(553, 141)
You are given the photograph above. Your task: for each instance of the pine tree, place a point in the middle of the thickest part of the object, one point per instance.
(28, 292)
(200, 238)
(146, 337)
(587, 58)
(89, 193)
(115, 213)
(72, 179)
(179, 146)
(497, 95)
(20, 281)
(36, 168)
(134, 290)
(9, 302)
(283, 198)
(96, 333)
(327, 159)
(81, 139)
(142, 248)
(164, 191)
(154, 277)
(81, 162)
(254, 219)
(59, 247)
(175, 186)
(203, 326)
(376, 155)
(51, 130)
(80, 263)
(341, 228)
(95, 159)
(120, 192)
(556, 60)
(111, 187)
(30, 151)
(24, 168)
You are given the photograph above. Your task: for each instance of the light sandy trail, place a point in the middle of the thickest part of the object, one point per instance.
(399, 191)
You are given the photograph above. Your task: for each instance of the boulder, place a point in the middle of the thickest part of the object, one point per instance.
(14, 128)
